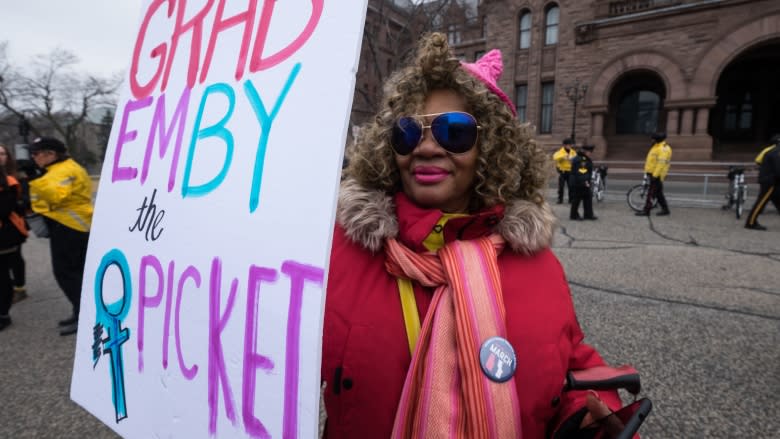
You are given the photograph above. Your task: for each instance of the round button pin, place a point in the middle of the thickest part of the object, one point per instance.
(498, 360)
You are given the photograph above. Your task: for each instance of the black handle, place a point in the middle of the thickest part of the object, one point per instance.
(604, 378)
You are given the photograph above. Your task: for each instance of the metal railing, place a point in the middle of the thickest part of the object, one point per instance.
(706, 187)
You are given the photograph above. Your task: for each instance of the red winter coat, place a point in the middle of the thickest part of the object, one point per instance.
(365, 350)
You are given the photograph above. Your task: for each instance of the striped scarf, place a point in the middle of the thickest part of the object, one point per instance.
(445, 394)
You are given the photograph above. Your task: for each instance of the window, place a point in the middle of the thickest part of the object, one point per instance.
(739, 113)
(525, 30)
(478, 54)
(638, 112)
(453, 34)
(521, 101)
(484, 27)
(548, 93)
(551, 26)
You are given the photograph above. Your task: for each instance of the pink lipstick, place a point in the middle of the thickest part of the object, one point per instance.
(429, 174)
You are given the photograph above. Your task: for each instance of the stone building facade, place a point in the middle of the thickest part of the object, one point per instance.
(704, 71)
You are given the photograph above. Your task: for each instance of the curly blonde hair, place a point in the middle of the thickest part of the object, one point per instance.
(510, 165)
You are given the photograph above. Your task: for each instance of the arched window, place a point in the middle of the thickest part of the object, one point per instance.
(551, 19)
(525, 29)
(638, 112)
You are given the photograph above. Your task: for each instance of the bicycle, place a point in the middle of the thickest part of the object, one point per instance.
(599, 183)
(637, 196)
(737, 191)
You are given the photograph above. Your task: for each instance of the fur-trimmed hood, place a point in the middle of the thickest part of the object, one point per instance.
(368, 217)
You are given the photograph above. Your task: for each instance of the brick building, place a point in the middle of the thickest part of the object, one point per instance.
(704, 71)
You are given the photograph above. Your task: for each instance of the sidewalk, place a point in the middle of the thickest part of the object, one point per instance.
(692, 300)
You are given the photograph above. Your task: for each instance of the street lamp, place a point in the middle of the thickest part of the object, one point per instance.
(575, 93)
(24, 129)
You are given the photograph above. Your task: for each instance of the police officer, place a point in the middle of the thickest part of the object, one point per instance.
(768, 179)
(563, 159)
(580, 187)
(657, 164)
(63, 196)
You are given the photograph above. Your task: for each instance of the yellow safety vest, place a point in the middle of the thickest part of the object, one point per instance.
(563, 159)
(659, 158)
(64, 194)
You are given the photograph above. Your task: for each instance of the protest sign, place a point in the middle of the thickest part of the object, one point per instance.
(203, 292)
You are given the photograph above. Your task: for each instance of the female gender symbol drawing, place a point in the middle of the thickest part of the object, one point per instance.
(110, 317)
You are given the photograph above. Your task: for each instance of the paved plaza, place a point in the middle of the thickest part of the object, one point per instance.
(692, 300)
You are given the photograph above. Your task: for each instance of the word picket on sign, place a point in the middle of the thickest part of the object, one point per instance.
(204, 288)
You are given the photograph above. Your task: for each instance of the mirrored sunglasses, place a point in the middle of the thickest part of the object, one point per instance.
(455, 131)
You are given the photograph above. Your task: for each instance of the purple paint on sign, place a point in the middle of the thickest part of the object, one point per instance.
(252, 359)
(145, 301)
(299, 274)
(127, 172)
(216, 369)
(179, 119)
(189, 273)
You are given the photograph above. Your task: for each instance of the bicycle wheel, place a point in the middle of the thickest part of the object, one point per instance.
(740, 202)
(636, 198)
(601, 190)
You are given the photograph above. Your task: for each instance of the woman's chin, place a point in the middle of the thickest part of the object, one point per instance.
(433, 200)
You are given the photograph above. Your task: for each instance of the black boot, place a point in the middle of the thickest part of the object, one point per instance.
(69, 321)
(5, 321)
(69, 329)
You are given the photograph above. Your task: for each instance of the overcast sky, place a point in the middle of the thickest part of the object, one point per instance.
(99, 32)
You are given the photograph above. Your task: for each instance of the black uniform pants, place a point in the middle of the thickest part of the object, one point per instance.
(18, 268)
(768, 192)
(6, 288)
(581, 194)
(68, 256)
(656, 190)
(563, 181)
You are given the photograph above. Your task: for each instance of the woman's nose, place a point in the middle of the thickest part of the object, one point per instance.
(428, 144)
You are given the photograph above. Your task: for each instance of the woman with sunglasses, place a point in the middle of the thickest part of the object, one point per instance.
(447, 315)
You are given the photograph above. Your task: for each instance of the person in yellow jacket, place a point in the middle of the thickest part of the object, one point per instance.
(563, 158)
(768, 161)
(657, 164)
(63, 196)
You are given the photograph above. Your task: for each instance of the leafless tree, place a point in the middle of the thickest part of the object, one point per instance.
(390, 35)
(54, 98)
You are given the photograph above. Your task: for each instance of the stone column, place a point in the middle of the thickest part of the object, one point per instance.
(702, 120)
(671, 122)
(597, 124)
(687, 122)
(597, 135)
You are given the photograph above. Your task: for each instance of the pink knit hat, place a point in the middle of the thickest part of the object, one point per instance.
(488, 69)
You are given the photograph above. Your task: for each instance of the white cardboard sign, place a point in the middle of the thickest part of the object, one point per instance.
(203, 292)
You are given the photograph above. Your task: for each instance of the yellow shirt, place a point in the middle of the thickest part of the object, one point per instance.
(563, 159)
(64, 194)
(658, 160)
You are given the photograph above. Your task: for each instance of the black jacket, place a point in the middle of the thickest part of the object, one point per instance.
(581, 171)
(769, 172)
